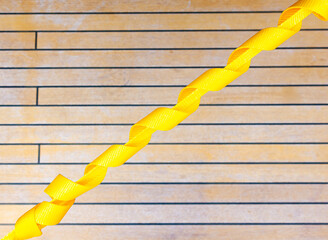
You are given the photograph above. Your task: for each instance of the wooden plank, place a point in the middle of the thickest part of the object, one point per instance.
(227, 21)
(57, 158)
(18, 154)
(153, 58)
(184, 232)
(173, 173)
(17, 40)
(182, 134)
(193, 153)
(130, 115)
(141, 6)
(119, 40)
(183, 214)
(192, 193)
(168, 95)
(17, 96)
(133, 77)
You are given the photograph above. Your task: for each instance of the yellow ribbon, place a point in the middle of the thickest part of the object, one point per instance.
(64, 191)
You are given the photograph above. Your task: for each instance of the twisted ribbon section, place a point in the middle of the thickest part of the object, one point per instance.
(64, 191)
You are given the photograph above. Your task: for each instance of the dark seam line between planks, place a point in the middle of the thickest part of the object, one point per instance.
(183, 224)
(152, 30)
(159, 86)
(171, 143)
(143, 49)
(39, 153)
(166, 105)
(180, 124)
(160, 67)
(186, 183)
(133, 13)
(36, 41)
(177, 163)
(192, 224)
(184, 203)
(37, 96)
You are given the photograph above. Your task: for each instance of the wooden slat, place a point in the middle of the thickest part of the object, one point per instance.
(251, 182)
(167, 95)
(183, 214)
(194, 153)
(184, 232)
(127, 77)
(173, 173)
(141, 6)
(17, 40)
(18, 154)
(136, 58)
(130, 115)
(183, 134)
(170, 193)
(167, 40)
(17, 96)
(147, 22)
(201, 213)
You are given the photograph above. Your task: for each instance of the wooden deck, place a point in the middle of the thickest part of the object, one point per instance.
(250, 164)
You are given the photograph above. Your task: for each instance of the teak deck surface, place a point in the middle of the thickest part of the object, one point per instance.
(249, 164)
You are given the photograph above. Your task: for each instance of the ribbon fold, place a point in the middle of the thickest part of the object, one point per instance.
(64, 191)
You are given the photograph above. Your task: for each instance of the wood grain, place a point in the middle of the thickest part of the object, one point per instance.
(149, 77)
(141, 40)
(182, 193)
(34, 6)
(180, 134)
(173, 173)
(194, 153)
(17, 40)
(17, 96)
(116, 22)
(152, 58)
(129, 115)
(18, 154)
(191, 213)
(253, 154)
(185, 232)
(168, 95)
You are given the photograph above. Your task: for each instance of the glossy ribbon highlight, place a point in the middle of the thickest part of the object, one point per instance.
(64, 191)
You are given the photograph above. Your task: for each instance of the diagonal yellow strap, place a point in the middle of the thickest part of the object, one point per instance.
(64, 191)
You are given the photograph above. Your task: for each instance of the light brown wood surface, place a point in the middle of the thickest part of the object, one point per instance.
(158, 40)
(150, 77)
(250, 163)
(200, 21)
(106, 115)
(187, 232)
(152, 58)
(50, 6)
